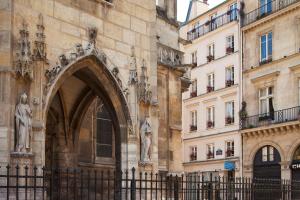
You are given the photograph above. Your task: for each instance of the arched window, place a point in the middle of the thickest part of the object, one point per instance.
(267, 163)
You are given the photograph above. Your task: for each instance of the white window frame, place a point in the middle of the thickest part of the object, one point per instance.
(233, 8)
(194, 57)
(267, 47)
(230, 41)
(268, 154)
(194, 85)
(194, 151)
(210, 148)
(211, 114)
(211, 80)
(266, 98)
(229, 109)
(194, 118)
(211, 49)
(229, 144)
(229, 73)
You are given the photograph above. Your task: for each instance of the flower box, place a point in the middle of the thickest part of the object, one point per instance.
(210, 124)
(210, 58)
(265, 61)
(210, 88)
(229, 120)
(210, 155)
(229, 83)
(229, 153)
(229, 50)
(193, 94)
(193, 157)
(193, 128)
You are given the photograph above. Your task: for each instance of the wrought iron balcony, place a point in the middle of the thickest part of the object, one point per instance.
(266, 10)
(211, 25)
(276, 117)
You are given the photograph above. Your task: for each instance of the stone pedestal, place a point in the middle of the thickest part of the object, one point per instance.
(146, 166)
(21, 159)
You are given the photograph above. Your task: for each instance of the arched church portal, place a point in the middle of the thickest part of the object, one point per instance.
(86, 116)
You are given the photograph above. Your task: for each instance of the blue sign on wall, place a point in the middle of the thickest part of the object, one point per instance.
(228, 165)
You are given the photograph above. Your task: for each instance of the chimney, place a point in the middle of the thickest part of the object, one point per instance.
(196, 8)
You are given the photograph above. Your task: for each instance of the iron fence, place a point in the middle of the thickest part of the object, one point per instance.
(266, 9)
(213, 24)
(275, 117)
(22, 183)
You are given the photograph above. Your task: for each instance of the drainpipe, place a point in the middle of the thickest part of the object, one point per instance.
(168, 121)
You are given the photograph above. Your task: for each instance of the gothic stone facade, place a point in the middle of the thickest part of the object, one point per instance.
(90, 70)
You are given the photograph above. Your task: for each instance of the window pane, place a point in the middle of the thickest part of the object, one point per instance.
(263, 106)
(270, 45)
(269, 6)
(263, 48)
(265, 154)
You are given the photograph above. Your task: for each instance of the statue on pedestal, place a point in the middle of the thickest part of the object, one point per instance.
(146, 142)
(23, 116)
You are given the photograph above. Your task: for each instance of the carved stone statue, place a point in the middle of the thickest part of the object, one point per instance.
(23, 116)
(146, 141)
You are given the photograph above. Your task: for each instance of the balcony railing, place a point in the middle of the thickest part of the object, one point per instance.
(266, 10)
(276, 117)
(213, 24)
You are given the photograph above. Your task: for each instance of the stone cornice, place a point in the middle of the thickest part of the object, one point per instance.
(271, 130)
(265, 76)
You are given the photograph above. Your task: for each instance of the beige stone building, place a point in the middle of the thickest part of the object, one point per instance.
(270, 114)
(90, 83)
(211, 139)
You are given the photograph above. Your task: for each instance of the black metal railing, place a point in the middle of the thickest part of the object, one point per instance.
(266, 10)
(21, 183)
(211, 25)
(276, 117)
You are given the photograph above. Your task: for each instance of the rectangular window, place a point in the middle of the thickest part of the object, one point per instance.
(266, 105)
(193, 126)
(233, 11)
(210, 82)
(210, 117)
(229, 148)
(229, 112)
(265, 7)
(229, 73)
(193, 155)
(210, 151)
(268, 154)
(229, 44)
(104, 137)
(194, 88)
(211, 50)
(194, 58)
(266, 48)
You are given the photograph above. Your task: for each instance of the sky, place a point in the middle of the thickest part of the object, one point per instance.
(182, 6)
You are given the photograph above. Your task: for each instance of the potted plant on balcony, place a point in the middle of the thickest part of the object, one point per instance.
(193, 157)
(229, 153)
(193, 128)
(193, 93)
(210, 58)
(210, 155)
(210, 88)
(229, 120)
(207, 23)
(229, 83)
(210, 124)
(229, 50)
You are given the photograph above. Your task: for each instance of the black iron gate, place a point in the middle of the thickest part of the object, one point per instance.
(22, 183)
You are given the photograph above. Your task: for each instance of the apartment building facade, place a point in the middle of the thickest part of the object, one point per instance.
(211, 139)
(271, 82)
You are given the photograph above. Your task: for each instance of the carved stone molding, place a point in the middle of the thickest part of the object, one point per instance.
(169, 56)
(78, 52)
(23, 63)
(39, 51)
(144, 92)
